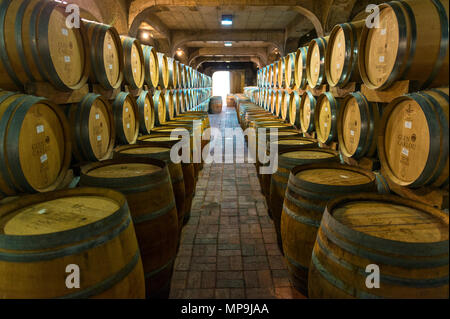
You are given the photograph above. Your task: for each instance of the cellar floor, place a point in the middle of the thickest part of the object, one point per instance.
(228, 249)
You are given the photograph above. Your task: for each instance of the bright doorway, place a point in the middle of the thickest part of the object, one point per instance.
(221, 84)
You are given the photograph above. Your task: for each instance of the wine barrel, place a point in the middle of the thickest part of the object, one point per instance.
(294, 109)
(126, 118)
(32, 37)
(309, 189)
(106, 54)
(159, 151)
(286, 162)
(357, 126)
(413, 139)
(307, 112)
(163, 66)
(146, 112)
(35, 144)
(170, 105)
(281, 74)
(215, 105)
(301, 79)
(315, 62)
(341, 59)
(289, 65)
(326, 118)
(278, 99)
(173, 73)
(410, 44)
(188, 168)
(406, 240)
(284, 107)
(134, 63)
(146, 185)
(92, 128)
(159, 104)
(382, 185)
(42, 234)
(151, 65)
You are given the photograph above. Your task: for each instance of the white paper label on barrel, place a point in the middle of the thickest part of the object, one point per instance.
(405, 152)
(110, 66)
(325, 124)
(128, 125)
(67, 59)
(326, 109)
(99, 138)
(146, 118)
(44, 158)
(109, 47)
(338, 66)
(126, 109)
(65, 32)
(40, 129)
(344, 176)
(383, 31)
(316, 70)
(381, 58)
(408, 124)
(339, 45)
(135, 70)
(352, 133)
(97, 116)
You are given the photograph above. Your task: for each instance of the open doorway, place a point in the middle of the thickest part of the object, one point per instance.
(221, 84)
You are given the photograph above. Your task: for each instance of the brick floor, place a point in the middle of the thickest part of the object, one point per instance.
(228, 248)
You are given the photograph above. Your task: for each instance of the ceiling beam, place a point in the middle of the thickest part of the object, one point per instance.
(230, 52)
(200, 60)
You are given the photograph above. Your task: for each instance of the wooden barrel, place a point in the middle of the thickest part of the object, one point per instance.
(180, 76)
(24, 59)
(146, 184)
(294, 109)
(309, 189)
(92, 128)
(326, 118)
(410, 44)
(159, 104)
(289, 66)
(300, 75)
(146, 112)
(159, 151)
(106, 54)
(281, 75)
(126, 118)
(188, 168)
(382, 185)
(341, 59)
(284, 107)
(215, 105)
(88, 227)
(286, 162)
(278, 99)
(35, 144)
(170, 105)
(413, 139)
(163, 67)
(307, 112)
(407, 241)
(173, 73)
(284, 143)
(315, 62)
(357, 126)
(134, 62)
(151, 66)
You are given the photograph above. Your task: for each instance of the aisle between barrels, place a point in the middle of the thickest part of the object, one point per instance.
(228, 248)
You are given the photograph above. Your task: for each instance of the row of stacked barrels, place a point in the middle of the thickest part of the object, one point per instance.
(121, 222)
(410, 42)
(67, 58)
(337, 224)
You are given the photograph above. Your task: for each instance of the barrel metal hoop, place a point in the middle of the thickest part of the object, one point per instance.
(295, 263)
(19, 43)
(153, 215)
(317, 208)
(413, 44)
(153, 273)
(301, 219)
(107, 283)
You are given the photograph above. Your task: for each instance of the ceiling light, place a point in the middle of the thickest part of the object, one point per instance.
(145, 35)
(227, 20)
(228, 44)
(180, 52)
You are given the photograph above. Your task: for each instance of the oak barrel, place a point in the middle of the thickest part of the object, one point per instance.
(173, 73)
(315, 62)
(37, 46)
(146, 185)
(301, 78)
(294, 109)
(146, 112)
(151, 66)
(309, 189)
(215, 105)
(92, 128)
(126, 118)
(35, 144)
(413, 139)
(134, 63)
(170, 105)
(106, 54)
(326, 118)
(410, 44)
(406, 240)
(357, 126)
(307, 112)
(163, 66)
(159, 104)
(289, 67)
(91, 228)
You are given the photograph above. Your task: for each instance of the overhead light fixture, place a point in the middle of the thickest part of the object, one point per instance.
(180, 52)
(228, 44)
(227, 20)
(145, 35)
